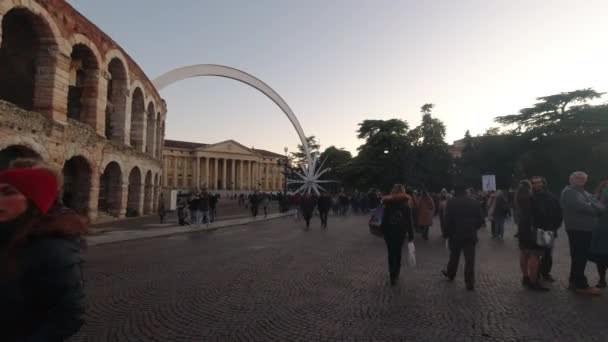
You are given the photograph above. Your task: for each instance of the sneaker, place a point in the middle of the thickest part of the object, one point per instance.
(447, 276)
(537, 287)
(590, 291)
(548, 278)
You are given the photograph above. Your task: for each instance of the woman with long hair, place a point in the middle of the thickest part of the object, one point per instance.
(397, 222)
(530, 252)
(42, 297)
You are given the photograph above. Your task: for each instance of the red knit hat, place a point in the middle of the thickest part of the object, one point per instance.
(38, 185)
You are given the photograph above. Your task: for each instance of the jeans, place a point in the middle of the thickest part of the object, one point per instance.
(394, 238)
(205, 216)
(580, 242)
(546, 262)
(499, 227)
(468, 248)
(323, 215)
(195, 216)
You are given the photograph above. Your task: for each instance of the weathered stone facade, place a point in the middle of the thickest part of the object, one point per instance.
(72, 97)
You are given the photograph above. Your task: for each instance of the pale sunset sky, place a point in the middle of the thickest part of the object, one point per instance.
(339, 62)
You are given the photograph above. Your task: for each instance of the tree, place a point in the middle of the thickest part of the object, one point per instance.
(337, 161)
(492, 131)
(427, 108)
(299, 158)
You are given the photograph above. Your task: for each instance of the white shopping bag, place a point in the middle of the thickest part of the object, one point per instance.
(411, 254)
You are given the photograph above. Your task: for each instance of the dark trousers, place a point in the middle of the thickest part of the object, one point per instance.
(394, 239)
(323, 215)
(579, 254)
(254, 210)
(546, 262)
(601, 270)
(467, 247)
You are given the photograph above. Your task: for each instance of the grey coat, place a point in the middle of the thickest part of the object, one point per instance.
(581, 209)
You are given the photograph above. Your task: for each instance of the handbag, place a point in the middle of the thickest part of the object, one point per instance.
(375, 222)
(545, 238)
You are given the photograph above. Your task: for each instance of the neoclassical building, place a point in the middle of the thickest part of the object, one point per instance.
(223, 167)
(69, 95)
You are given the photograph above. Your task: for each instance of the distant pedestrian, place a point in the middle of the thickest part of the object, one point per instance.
(265, 202)
(161, 208)
(581, 215)
(40, 259)
(464, 217)
(181, 212)
(324, 206)
(547, 216)
(308, 208)
(426, 210)
(397, 224)
(444, 196)
(193, 206)
(213, 200)
(500, 212)
(254, 203)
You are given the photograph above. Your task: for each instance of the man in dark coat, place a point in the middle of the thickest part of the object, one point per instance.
(324, 206)
(464, 217)
(255, 203)
(308, 207)
(546, 215)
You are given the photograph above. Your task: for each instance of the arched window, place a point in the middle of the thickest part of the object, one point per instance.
(83, 83)
(138, 113)
(117, 101)
(27, 61)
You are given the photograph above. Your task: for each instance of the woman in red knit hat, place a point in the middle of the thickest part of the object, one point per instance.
(41, 288)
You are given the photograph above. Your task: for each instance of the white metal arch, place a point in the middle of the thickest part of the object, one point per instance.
(199, 70)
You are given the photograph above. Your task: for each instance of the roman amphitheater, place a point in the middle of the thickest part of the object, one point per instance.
(69, 95)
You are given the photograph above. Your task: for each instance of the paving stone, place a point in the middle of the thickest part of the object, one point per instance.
(273, 281)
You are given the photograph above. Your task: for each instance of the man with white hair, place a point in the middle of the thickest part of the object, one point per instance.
(581, 213)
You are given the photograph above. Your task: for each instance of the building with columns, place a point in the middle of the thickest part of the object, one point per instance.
(225, 167)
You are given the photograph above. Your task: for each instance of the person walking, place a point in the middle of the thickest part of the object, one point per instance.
(308, 208)
(397, 224)
(213, 200)
(581, 213)
(265, 200)
(193, 206)
(426, 210)
(547, 216)
(531, 252)
(500, 211)
(464, 217)
(204, 206)
(40, 259)
(599, 241)
(444, 196)
(255, 203)
(324, 206)
(161, 208)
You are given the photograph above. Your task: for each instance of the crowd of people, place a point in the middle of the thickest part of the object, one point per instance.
(537, 213)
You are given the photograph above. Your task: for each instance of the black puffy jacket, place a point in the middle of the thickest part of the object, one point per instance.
(42, 299)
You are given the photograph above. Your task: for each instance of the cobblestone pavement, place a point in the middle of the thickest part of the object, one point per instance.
(272, 281)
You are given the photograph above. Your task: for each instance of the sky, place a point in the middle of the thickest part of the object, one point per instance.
(339, 62)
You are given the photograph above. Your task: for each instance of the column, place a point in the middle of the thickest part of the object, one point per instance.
(250, 172)
(207, 172)
(233, 172)
(267, 176)
(185, 172)
(197, 172)
(174, 172)
(166, 171)
(124, 199)
(215, 176)
(241, 175)
(224, 174)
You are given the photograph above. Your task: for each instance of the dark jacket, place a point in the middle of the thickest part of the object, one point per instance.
(398, 219)
(546, 211)
(43, 298)
(324, 203)
(463, 217)
(501, 208)
(308, 206)
(203, 202)
(193, 204)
